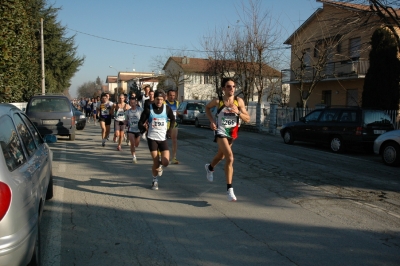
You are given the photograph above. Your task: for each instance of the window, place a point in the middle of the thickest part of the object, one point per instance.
(10, 144)
(313, 116)
(326, 97)
(348, 116)
(27, 139)
(328, 115)
(355, 48)
(307, 57)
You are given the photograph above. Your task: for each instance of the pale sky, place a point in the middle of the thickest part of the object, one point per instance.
(127, 34)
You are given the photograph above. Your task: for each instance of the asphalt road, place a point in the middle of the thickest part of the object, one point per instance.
(297, 205)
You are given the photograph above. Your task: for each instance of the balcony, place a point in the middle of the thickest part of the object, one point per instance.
(332, 71)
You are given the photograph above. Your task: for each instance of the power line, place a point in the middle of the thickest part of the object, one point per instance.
(153, 47)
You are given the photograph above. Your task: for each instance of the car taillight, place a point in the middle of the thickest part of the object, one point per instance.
(5, 199)
(359, 131)
(185, 112)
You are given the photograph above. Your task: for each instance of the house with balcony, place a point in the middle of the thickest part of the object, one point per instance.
(124, 80)
(194, 78)
(329, 55)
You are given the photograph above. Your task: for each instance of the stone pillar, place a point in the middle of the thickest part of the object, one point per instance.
(272, 118)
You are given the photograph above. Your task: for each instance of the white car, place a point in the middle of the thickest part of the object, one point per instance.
(388, 146)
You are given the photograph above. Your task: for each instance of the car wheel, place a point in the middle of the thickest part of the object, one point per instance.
(391, 154)
(72, 136)
(49, 192)
(35, 260)
(288, 137)
(337, 144)
(196, 123)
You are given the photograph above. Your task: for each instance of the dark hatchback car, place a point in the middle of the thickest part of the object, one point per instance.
(338, 127)
(52, 114)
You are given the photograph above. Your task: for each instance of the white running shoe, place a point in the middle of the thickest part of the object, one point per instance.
(144, 136)
(134, 160)
(210, 176)
(154, 185)
(159, 170)
(231, 196)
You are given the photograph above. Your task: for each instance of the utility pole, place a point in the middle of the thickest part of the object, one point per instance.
(42, 46)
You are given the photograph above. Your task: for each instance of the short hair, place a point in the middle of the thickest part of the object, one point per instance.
(146, 86)
(225, 80)
(159, 93)
(171, 91)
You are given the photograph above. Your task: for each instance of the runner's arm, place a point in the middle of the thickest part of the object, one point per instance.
(171, 118)
(213, 103)
(143, 118)
(242, 112)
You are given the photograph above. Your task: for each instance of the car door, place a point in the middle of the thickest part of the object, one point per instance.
(43, 153)
(306, 130)
(326, 126)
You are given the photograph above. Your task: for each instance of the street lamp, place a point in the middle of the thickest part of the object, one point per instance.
(116, 90)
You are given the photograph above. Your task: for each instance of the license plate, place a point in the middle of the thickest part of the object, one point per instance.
(49, 122)
(379, 132)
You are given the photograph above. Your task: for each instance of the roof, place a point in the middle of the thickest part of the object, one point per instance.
(201, 65)
(343, 5)
(190, 64)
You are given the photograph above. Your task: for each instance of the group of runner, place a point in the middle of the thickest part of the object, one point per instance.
(152, 116)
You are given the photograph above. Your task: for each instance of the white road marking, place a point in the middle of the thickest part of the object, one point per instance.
(62, 166)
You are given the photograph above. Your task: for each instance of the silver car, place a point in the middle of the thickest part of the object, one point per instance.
(188, 110)
(388, 146)
(25, 184)
(202, 120)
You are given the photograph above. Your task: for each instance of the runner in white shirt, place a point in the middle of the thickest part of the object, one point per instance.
(119, 120)
(132, 117)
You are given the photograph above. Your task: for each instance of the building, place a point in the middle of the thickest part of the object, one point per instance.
(194, 80)
(124, 80)
(331, 49)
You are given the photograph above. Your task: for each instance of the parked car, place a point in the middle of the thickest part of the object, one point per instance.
(189, 110)
(388, 146)
(80, 119)
(26, 183)
(338, 127)
(202, 120)
(52, 114)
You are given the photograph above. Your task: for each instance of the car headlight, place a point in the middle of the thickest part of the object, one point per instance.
(82, 117)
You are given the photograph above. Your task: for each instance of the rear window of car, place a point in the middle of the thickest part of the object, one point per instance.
(195, 106)
(348, 116)
(376, 117)
(49, 105)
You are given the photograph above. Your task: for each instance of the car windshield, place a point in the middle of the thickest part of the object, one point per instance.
(195, 107)
(49, 105)
(376, 117)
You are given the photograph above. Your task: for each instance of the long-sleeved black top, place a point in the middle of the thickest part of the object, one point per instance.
(146, 114)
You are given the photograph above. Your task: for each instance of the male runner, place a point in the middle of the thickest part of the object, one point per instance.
(157, 116)
(174, 104)
(230, 109)
(132, 117)
(105, 112)
(119, 120)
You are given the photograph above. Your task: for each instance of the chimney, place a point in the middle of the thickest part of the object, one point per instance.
(185, 60)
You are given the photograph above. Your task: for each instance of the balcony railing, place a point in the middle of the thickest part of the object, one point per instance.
(333, 70)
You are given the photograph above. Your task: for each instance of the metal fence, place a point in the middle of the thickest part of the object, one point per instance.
(288, 114)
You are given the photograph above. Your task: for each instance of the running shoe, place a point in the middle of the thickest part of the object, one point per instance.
(175, 161)
(154, 185)
(159, 170)
(103, 143)
(134, 160)
(231, 196)
(118, 148)
(115, 139)
(127, 142)
(210, 176)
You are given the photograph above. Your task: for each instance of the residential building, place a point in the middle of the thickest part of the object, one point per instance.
(331, 48)
(194, 80)
(125, 79)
